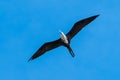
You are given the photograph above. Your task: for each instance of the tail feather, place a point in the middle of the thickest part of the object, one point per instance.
(70, 50)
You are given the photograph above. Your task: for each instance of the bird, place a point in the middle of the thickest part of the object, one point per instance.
(65, 39)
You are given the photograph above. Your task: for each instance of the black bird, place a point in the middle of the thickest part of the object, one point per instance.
(65, 39)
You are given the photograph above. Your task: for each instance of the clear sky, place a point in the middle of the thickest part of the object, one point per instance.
(26, 24)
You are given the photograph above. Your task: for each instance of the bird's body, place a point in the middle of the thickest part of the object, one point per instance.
(65, 39)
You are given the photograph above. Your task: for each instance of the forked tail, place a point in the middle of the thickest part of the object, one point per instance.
(70, 50)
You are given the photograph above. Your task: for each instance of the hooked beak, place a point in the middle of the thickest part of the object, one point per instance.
(60, 32)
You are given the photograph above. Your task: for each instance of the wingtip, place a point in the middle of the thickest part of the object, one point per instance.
(97, 15)
(30, 59)
(93, 17)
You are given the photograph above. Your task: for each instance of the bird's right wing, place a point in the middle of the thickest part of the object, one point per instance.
(78, 26)
(46, 47)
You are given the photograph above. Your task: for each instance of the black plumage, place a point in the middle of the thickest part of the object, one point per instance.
(78, 26)
(54, 44)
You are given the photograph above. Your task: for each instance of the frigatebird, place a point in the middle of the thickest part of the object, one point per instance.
(65, 39)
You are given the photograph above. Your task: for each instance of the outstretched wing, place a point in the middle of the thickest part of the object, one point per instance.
(46, 47)
(78, 26)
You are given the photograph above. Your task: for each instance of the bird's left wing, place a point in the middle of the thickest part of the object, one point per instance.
(46, 47)
(79, 25)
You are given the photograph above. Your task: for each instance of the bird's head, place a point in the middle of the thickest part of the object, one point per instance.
(61, 32)
(63, 37)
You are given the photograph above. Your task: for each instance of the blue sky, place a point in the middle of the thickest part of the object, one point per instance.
(26, 24)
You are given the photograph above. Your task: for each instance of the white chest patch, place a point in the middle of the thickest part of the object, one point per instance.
(64, 38)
